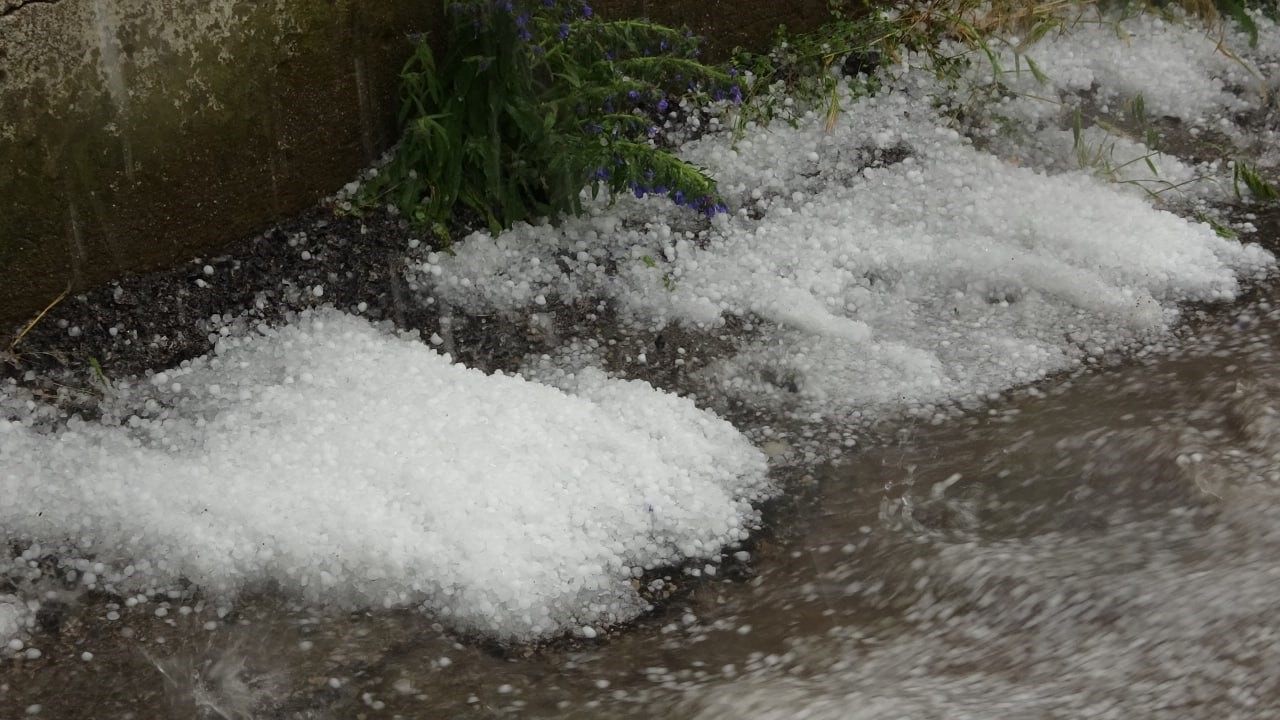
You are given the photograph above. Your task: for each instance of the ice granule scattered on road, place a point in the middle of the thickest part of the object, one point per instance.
(13, 617)
(356, 468)
(890, 263)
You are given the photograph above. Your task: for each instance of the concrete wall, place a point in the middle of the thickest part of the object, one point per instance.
(136, 134)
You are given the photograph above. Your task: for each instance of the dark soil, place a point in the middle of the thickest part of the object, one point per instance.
(157, 320)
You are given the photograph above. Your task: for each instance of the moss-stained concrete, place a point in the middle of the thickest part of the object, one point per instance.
(140, 133)
(136, 134)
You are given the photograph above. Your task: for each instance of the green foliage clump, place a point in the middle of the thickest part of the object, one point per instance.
(807, 67)
(1245, 174)
(861, 35)
(1240, 12)
(534, 100)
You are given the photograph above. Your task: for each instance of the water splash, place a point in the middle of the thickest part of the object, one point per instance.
(106, 28)
(365, 105)
(75, 242)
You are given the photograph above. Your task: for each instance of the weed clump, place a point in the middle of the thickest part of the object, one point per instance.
(534, 100)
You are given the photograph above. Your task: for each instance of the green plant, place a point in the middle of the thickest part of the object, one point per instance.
(1238, 11)
(802, 71)
(668, 280)
(1100, 158)
(1221, 229)
(1257, 186)
(535, 100)
(99, 375)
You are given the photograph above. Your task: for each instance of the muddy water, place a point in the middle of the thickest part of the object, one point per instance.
(1105, 546)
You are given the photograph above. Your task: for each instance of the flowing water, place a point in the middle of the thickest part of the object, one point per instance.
(1101, 546)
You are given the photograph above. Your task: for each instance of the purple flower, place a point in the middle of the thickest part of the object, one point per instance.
(735, 94)
(678, 197)
(663, 105)
(523, 20)
(564, 31)
(548, 3)
(601, 173)
(633, 95)
(586, 11)
(653, 130)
